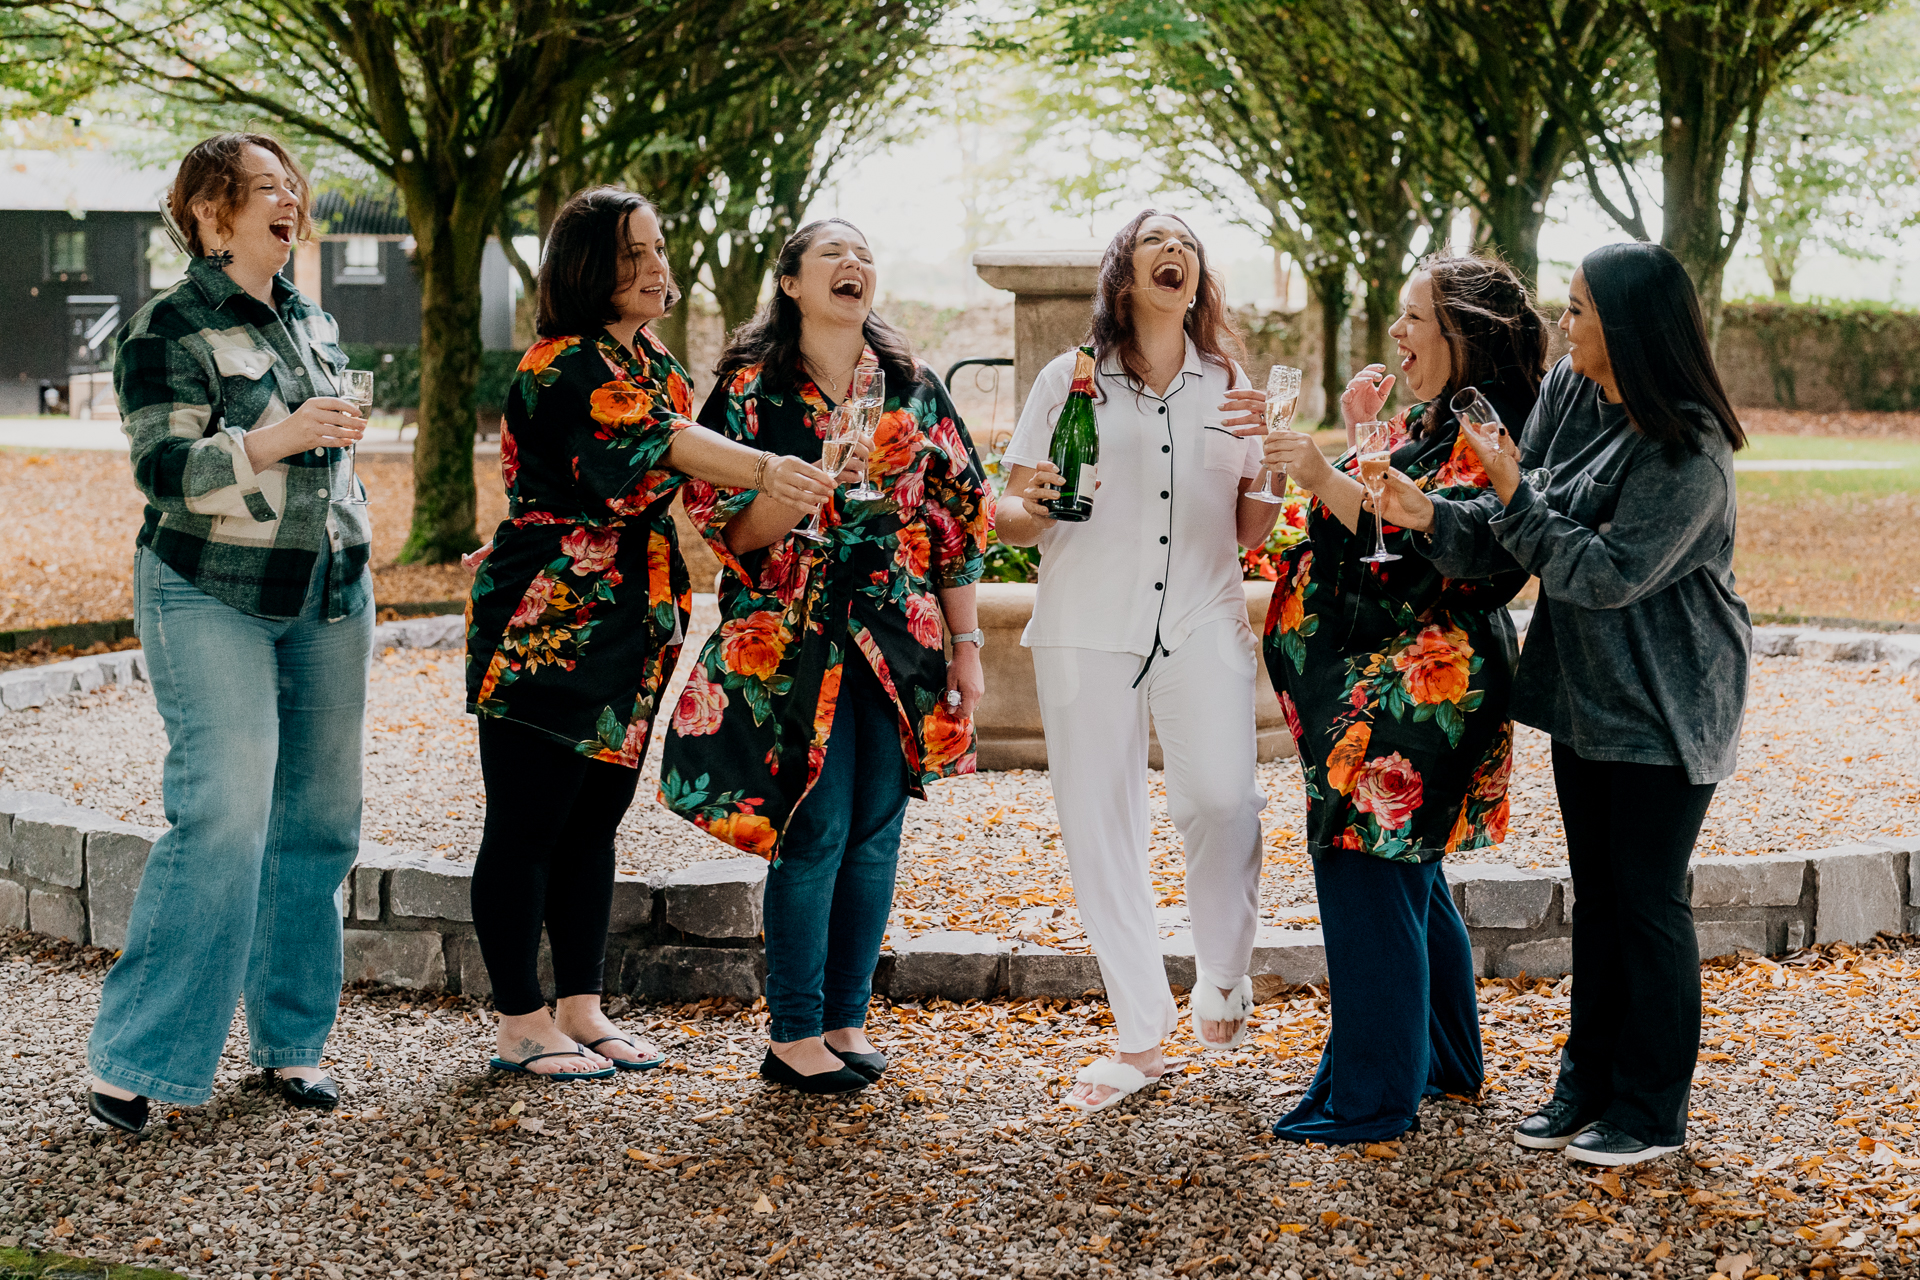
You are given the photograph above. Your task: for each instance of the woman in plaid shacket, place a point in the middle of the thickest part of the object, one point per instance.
(253, 605)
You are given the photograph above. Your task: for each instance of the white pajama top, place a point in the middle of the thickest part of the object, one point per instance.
(1160, 555)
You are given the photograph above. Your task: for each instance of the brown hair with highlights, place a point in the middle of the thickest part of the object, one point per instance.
(219, 172)
(1496, 334)
(1206, 322)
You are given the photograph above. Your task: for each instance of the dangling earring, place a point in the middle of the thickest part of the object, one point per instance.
(220, 259)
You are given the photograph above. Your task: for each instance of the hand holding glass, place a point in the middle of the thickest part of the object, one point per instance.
(867, 397)
(833, 455)
(356, 388)
(1478, 412)
(1283, 400)
(1376, 457)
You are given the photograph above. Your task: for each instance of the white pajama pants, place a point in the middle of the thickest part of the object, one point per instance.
(1201, 700)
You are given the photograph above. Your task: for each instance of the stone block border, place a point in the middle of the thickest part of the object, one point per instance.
(71, 873)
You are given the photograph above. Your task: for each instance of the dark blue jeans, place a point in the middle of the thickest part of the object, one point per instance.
(829, 895)
(1405, 1020)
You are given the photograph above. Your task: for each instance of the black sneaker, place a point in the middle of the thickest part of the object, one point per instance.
(1603, 1143)
(1551, 1127)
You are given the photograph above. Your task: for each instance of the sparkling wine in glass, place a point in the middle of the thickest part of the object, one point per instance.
(1283, 401)
(1475, 409)
(833, 456)
(868, 398)
(356, 388)
(1376, 458)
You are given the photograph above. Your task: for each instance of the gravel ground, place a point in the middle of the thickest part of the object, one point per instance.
(961, 1162)
(1828, 756)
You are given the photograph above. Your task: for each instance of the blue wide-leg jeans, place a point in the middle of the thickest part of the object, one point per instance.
(1406, 1023)
(261, 789)
(829, 895)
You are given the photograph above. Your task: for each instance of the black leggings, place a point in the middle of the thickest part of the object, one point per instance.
(1635, 1033)
(546, 855)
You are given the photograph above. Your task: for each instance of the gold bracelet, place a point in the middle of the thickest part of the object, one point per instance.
(760, 469)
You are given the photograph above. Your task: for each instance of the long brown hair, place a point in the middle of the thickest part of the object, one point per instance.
(771, 339)
(1111, 332)
(216, 171)
(1496, 335)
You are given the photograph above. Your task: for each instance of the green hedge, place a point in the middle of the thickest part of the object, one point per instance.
(1869, 353)
(396, 376)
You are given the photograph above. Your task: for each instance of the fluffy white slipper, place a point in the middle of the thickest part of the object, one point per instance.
(1118, 1076)
(1209, 1006)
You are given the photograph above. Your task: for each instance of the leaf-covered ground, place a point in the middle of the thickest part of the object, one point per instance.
(1801, 1159)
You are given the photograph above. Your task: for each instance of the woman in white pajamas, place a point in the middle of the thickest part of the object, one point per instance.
(1141, 610)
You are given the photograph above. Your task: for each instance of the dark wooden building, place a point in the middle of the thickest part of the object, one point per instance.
(90, 250)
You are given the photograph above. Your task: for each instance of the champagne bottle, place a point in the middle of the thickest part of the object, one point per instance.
(1076, 445)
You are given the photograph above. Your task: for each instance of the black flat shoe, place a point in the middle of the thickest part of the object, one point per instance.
(1605, 1144)
(321, 1095)
(870, 1065)
(126, 1114)
(841, 1080)
(1552, 1127)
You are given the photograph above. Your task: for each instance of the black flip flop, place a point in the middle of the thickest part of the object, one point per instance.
(622, 1064)
(501, 1064)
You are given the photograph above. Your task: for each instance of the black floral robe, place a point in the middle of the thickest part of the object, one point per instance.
(1395, 679)
(750, 732)
(575, 621)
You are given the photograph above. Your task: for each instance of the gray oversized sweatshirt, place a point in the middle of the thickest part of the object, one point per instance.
(1639, 647)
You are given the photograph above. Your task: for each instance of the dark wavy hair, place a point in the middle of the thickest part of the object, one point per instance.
(588, 261)
(1657, 343)
(1111, 332)
(772, 338)
(1497, 337)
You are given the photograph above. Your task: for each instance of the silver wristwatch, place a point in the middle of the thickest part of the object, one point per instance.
(976, 637)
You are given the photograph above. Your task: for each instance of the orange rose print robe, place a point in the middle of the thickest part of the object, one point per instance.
(749, 734)
(1394, 679)
(575, 620)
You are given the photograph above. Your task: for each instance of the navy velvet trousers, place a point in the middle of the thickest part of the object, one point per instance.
(1406, 1023)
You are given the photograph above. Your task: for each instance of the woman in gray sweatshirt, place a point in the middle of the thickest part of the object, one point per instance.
(1620, 498)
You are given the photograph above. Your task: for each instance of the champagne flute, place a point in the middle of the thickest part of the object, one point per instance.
(867, 397)
(356, 388)
(1376, 456)
(833, 455)
(1283, 399)
(1475, 409)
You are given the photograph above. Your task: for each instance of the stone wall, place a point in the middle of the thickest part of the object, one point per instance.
(71, 873)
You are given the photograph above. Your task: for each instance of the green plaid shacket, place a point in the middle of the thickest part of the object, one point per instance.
(198, 367)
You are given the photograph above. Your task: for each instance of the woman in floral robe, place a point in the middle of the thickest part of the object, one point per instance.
(576, 618)
(1395, 680)
(824, 699)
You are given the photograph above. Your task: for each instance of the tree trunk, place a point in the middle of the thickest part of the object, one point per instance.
(736, 286)
(1336, 337)
(1382, 306)
(443, 490)
(1780, 253)
(1702, 96)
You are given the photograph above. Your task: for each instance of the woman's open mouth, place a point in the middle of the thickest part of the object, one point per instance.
(1407, 359)
(851, 287)
(283, 230)
(1169, 276)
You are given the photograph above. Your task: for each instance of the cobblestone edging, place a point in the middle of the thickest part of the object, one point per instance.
(71, 873)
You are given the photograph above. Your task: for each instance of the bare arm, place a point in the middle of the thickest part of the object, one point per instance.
(1021, 516)
(1310, 469)
(964, 673)
(1253, 521)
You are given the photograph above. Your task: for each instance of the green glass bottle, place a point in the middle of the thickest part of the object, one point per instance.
(1076, 445)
